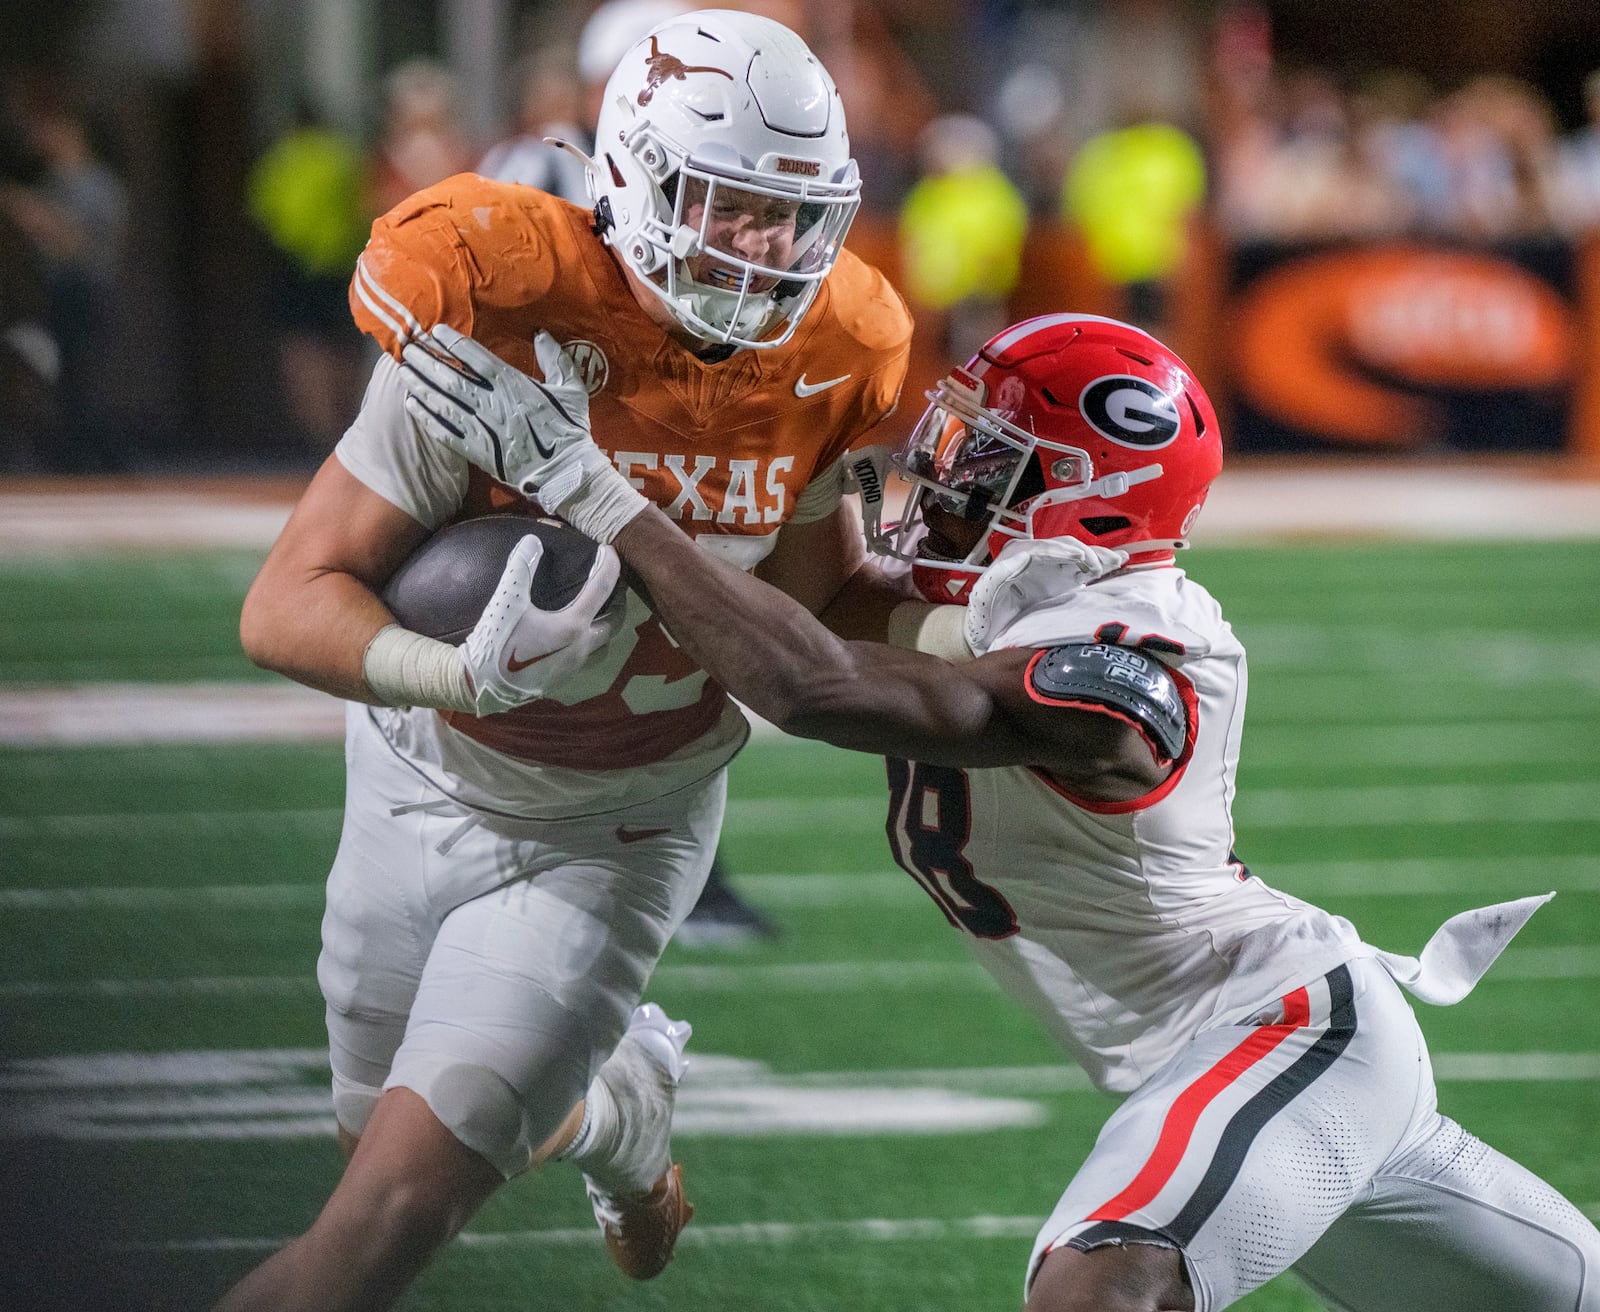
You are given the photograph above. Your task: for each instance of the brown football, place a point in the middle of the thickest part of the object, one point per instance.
(442, 588)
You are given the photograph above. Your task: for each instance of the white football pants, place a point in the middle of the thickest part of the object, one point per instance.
(1312, 1139)
(491, 966)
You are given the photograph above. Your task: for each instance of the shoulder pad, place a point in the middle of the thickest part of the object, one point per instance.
(1124, 682)
(868, 311)
(424, 263)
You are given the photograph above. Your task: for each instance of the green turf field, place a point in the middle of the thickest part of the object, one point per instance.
(868, 1124)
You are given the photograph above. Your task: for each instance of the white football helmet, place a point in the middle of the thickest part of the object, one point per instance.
(722, 173)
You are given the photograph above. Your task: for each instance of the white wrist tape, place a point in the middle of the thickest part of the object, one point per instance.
(602, 505)
(408, 669)
(937, 630)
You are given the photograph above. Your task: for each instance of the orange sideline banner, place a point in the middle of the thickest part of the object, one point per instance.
(1401, 346)
(1406, 346)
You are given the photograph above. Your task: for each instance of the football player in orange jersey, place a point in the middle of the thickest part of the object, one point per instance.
(1061, 769)
(530, 816)
(539, 157)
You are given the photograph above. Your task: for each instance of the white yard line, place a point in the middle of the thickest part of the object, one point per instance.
(1463, 877)
(190, 986)
(263, 1094)
(266, 1094)
(762, 1233)
(91, 518)
(230, 897)
(1418, 804)
(122, 713)
(159, 823)
(766, 1234)
(1467, 877)
(1483, 499)
(1561, 962)
(1412, 805)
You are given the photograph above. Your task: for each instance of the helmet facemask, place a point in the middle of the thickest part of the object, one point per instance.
(965, 460)
(746, 256)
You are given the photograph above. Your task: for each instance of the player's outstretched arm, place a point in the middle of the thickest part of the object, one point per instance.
(772, 654)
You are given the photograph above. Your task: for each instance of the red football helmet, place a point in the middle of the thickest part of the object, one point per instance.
(1067, 425)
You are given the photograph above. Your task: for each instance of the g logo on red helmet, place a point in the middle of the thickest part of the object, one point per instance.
(1130, 411)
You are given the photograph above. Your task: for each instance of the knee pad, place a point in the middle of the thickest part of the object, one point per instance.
(478, 1106)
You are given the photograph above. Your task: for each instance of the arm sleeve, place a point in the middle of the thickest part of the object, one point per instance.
(822, 495)
(384, 449)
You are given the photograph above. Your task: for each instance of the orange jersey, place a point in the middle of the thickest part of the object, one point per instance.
(725, 448)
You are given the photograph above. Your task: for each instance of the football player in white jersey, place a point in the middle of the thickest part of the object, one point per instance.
(1062, 743)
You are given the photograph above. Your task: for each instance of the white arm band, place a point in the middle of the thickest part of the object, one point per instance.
(408, 669)
(603, 504)
(937, 630)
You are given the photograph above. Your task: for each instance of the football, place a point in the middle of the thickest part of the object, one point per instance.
(442, 588)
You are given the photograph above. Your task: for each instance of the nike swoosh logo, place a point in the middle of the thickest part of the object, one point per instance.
(544, 451)
(626, 835)
(513, 665)
(803, 388)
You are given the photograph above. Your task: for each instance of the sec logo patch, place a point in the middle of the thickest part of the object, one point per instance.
(590, 363)
(1130, 411)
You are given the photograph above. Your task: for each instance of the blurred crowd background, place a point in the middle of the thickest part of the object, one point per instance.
(1367, 223)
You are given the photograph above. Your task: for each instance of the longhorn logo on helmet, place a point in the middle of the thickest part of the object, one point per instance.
(662, 66)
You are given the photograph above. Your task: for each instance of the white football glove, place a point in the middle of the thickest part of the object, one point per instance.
(532, 435)
(1027, 573)
(518, 653)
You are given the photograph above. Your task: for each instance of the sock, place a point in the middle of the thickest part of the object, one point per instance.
(622, 1151)
(597, 1137)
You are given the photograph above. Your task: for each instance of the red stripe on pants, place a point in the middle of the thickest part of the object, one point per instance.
(1185, 1111)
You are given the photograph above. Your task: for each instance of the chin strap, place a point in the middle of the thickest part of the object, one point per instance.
(1167, 545)
(572, 150)
(749, 314)
(1114, 485)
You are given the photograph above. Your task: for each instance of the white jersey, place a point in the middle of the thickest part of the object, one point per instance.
(1126, 927)
(1281, 1107)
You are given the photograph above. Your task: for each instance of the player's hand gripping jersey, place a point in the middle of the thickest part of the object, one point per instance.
(731, 450)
